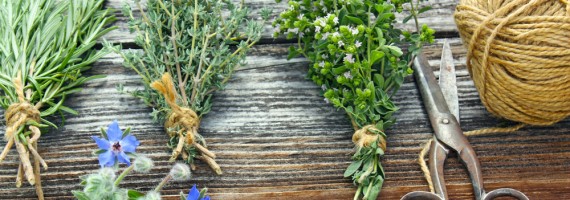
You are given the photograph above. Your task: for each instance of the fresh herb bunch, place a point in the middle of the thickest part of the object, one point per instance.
(353, 48)
(191, 48)
(45, 46)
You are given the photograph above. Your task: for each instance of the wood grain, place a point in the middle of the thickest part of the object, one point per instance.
(276, 138)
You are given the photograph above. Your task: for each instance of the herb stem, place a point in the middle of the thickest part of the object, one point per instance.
(163, 183)
(123, 174)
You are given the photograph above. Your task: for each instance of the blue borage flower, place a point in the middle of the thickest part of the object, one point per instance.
(194, 194)
(115, 146)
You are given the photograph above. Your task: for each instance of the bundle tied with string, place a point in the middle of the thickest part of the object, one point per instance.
(183, 123)
(519, 57)
(20, 116)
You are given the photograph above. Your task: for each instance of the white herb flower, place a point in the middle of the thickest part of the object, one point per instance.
(349, 58)
(294, 30)
(143, 164)
(317, 29)
(354, 31)
(335, 20)
(336, 34)
(347, 75)
(325, 36)
(340, 43)
(358, 44)
(180, 172)
(324, 56)
(322, 64)
(324, 87)
(325, 9)
(327, 101)
(322, 22)
(300, 17)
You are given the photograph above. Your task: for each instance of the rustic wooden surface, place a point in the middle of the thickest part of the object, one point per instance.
(276, 138)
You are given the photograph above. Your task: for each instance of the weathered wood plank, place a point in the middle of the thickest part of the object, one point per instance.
(440, 18)
(276, 138)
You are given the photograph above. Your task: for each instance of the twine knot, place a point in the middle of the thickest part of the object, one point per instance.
(17, 115)
(367, 135)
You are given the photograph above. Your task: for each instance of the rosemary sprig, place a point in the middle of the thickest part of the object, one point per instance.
(45, 46)
(354, 51)
(192, 48)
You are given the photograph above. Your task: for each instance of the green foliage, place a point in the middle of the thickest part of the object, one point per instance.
(200, 43)
(353, 48)
(51, 44)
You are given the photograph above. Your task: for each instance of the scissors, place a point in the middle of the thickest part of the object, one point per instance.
(448, 136)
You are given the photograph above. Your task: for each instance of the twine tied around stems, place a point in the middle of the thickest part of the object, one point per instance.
(367, 135)
(18, 116)
(182, 122)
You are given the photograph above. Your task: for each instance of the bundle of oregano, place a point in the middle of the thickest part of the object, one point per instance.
(190, 50)
(45, 46)
(353, 48)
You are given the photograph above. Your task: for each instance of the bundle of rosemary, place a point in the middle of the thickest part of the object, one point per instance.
(190, 50)
(353, 48)
(45, 46)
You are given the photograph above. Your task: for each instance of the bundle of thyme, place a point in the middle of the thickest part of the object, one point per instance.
(353, 48)
(45, 46)
(190, 50)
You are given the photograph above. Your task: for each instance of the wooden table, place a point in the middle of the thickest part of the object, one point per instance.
(276, 138)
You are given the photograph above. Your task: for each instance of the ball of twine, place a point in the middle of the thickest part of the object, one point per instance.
(519, 56)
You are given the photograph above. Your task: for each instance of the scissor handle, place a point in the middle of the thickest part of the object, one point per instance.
(421, 195)
(505, 192)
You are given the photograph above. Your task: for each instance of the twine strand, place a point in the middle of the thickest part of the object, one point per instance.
(367, 135)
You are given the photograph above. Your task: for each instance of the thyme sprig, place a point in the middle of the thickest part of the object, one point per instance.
(45, 46)
(198, 44)
(354, 51)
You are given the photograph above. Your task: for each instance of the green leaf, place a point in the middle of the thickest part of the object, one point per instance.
(292, 53)
(126, 132)
(379, 80)
(80, 195)
(406, 19)
(424, 9)
(352, 168)
(100, 151)
(104, 133)
(133, 194)
(374, 191)
(52, 109)
(394, 50)
(355, 20)
(376, 55)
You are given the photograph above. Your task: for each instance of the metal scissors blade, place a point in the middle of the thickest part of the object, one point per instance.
(448, 136)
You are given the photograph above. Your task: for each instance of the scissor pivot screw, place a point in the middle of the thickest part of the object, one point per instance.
(445, 121)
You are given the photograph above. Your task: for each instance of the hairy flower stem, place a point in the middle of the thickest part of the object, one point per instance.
(123, 174)
(163, 183)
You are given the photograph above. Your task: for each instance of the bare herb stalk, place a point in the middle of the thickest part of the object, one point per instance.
(190, 50)
(45, 46)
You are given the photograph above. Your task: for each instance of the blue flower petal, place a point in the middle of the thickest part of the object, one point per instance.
(124, 158)
(102, 143)
(206, 198)
(193, 194)
(129, 144)
(107, 159)
(114, 132)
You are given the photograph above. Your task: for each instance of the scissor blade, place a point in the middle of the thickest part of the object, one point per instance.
(448, 81)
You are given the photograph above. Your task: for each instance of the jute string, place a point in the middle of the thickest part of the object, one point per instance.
(518, 55)
(18, 116)
(365, 136)
(182, 122)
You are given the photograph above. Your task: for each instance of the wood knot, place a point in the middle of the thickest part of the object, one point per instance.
(367, 135)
